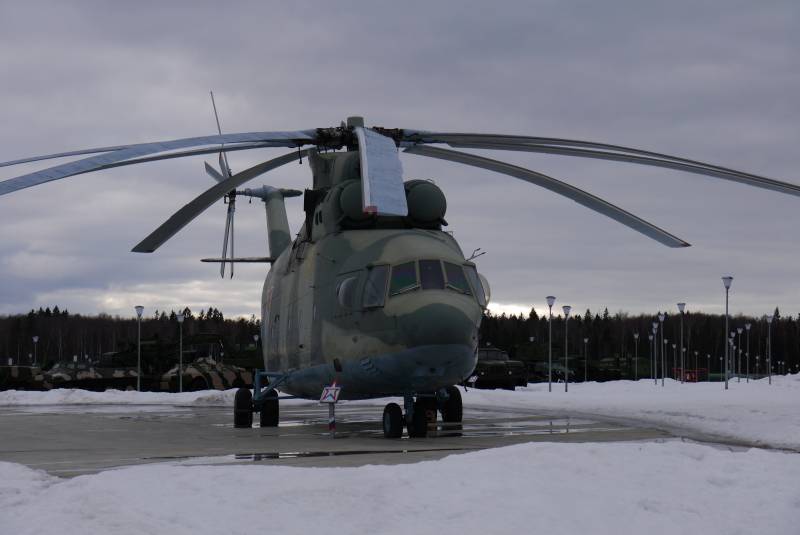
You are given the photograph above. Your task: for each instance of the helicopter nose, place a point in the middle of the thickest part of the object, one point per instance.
(439, 323)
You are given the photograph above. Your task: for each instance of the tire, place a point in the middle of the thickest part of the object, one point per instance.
(197, 384)
(270, 412)
(243, 409)
(453, 409)
(392, 421)
(418, 422)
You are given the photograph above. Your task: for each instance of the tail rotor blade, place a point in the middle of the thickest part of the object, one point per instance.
(232, 207)
(213, 173)
(225, 243)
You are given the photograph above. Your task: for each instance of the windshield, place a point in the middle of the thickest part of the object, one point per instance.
(404, 278)
(430, 273)
(455, 278)
(375, 288)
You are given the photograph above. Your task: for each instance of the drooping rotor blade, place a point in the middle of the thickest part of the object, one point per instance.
(61, 155)
(571, 192)
(129, 152)
(608, 152)
(242, 260)
(383, 192)
(198, 205)
(213, 173)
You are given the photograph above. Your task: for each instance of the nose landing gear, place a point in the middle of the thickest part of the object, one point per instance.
(422, 412)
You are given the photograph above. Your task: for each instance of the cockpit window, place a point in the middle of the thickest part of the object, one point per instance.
(375, 287)
(404, 278)
(456, 279)
(430, 274)
(477, 287)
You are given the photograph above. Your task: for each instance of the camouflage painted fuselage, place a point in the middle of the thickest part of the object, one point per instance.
(319, 326)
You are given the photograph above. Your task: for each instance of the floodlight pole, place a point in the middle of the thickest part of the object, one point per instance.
(139, 310)
(726, 280)
(661, 317)
(747, 355)
(566, 309)
(180, 354)
(708, 366)
(769, 348)
(35, 350)
(681, 307)
(739, 361)
(654, 355)
(550, 301)
(636, 360)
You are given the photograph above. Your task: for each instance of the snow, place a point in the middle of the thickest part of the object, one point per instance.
(754, 413)
(654, 488)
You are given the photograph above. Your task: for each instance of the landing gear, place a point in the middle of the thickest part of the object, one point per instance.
(452, 408)
(243, 408)
(417, 420)
(392, 421)
(270, 414)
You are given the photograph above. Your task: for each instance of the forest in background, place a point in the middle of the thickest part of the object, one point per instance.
(610, 337)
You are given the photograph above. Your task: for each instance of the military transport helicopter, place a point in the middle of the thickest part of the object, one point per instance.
(371, 294)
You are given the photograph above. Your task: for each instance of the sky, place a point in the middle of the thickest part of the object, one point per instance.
(713, 81)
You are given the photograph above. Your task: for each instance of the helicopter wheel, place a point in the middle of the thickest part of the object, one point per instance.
(453, 409)
(417, 422)
(392, 421)
(243, 408)
(270, 413)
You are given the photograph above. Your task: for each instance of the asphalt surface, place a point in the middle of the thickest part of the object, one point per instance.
(73, 440)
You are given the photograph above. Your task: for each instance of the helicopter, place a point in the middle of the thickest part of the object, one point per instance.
(372, 294)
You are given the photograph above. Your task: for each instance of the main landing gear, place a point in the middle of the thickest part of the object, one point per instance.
(422, 412)
(244, 407)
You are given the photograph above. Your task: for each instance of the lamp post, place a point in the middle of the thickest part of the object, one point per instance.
(566, 309)
(655, 354)
(675, 357)
(550, 301)
(747, 354)
(650, 337)
(695, 365)
(35, 350)
(726, 280)
(636, 354)
(681, 308)
(585, 360)
(758, 364)
(139, 310)
(769, 348)
(708, 365)
(739, 361)
(663, 359)
(180, 353)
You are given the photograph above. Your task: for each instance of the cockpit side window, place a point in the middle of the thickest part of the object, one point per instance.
(375, 287)
(404, 278)
(456, 279)
(430, 274)
(477, 287)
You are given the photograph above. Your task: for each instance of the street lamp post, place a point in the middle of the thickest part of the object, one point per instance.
(726, 280)
(708, 365)
(566, 309)
(747, 354)
(739, 362)
(661, 317)
(675, 356)
(35, 350)
(550, 301)
(696, 352)
(655, 353)
(769, 348)
(180, 353)
(636, 355)
(139, 310)
(586, 360)
(681, 308)
(650, 337)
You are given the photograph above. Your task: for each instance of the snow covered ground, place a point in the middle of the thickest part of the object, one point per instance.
(756, 413)
(555, 488)
(654, 488)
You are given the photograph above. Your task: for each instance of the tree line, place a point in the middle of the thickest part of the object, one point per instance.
(62, 335)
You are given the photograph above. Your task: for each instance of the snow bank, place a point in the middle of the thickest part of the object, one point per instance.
(653, 488)
(756, 413)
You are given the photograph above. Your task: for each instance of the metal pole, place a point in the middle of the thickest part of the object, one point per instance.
(708, 367)
(550, 350)
(139, 354)
(636, 361)
(566, 354)
(663, 362)
(769, 348)
(726, 338)
(683, 359)
(739, 361)
(585, 360)
(180, 360)
(747, 355)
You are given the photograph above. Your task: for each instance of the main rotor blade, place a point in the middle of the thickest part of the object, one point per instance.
(128, 152)
(569, 147)
(198, 205)
(571, 192)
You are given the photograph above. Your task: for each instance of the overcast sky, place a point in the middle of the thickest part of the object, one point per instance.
(714, 81)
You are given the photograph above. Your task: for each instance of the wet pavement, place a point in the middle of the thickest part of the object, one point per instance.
(73, 440)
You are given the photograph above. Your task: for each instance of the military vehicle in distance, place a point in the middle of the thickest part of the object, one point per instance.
(16, 377)
(89, 376)
(495, 369)
(206, 373)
